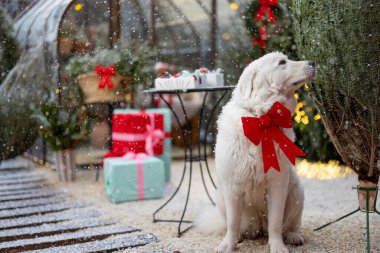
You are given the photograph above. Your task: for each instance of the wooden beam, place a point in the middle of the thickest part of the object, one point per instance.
(213, 34)
(114, 21)
(152, 30)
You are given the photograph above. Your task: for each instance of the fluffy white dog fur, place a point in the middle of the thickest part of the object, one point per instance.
(250, 202)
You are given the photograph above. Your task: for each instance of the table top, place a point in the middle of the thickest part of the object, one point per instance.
(176, 91)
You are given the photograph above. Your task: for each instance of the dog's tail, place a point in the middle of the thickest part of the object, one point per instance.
(210, 220)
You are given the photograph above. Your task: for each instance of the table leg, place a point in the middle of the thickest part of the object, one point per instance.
(206, 131)
(185, 137)
(200, 142)
(190, 157)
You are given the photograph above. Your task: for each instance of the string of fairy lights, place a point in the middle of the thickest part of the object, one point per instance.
(39, 162)
(303, 109)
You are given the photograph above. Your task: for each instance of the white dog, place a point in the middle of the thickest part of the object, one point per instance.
(251, 201)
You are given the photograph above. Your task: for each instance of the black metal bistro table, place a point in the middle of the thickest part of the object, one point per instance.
(190, 158)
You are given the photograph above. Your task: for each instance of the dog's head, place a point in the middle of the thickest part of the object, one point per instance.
(270, 76)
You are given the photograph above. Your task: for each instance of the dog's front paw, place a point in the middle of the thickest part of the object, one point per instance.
(278, 247)
(294, 238)
(225, 247)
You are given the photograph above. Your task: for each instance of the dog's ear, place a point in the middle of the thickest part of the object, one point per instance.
(246, 83)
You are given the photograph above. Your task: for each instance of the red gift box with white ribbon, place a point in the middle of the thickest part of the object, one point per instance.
(139, 133)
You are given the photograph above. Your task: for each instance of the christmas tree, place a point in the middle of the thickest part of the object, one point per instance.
(343, 37)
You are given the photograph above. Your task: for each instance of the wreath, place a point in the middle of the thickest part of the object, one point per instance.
(261, 15)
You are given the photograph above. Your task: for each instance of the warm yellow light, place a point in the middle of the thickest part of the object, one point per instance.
(234, 6)
(320, 170)
(306, 86)
(302, 113)
(57, 91)
(305, 120)
(299, 104)
(317, 117)
(297, 118)
(226, 36)
(78, 7)
(296, 96)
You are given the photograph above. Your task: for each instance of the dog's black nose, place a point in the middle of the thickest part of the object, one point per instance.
(312, 63)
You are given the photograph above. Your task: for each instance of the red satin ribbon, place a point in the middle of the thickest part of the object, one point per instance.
(105, 74)
(266, 9)
(266, 129)
(262, 41)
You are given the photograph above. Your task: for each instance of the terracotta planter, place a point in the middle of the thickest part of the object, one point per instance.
(92, 94)
(65, 163)
(371, 190)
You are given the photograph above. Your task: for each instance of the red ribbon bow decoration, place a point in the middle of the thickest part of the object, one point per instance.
(105, 74)
(262, 40)
(266, 9)
(266, 129)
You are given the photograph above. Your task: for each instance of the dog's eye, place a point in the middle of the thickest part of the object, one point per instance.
(282, 62)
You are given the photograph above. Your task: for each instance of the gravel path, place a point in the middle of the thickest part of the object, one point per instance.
(325, 200)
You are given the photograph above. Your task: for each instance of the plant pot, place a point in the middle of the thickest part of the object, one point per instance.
(89, 85)
(65, 163)
(366, 190)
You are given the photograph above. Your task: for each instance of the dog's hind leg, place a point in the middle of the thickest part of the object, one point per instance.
(233, 201)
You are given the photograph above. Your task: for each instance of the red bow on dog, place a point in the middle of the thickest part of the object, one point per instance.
(266, 129)
(105, 74)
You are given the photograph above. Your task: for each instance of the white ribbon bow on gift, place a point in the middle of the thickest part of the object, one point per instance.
(152, 136)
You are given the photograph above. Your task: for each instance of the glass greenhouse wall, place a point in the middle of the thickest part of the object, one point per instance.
(181, 30)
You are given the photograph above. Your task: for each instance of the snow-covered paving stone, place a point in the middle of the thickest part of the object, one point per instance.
(32, 195)
(47, 218)
(20, 187)
(25, 191)
(31, 202)
(23, 175)
(106, 245)
(65, 239)
(12, 168)
(29, 180)
(49, 229)
(25, 211)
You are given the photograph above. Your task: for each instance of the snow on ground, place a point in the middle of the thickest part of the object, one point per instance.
(325, 200)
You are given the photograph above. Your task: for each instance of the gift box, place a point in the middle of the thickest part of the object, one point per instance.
(139, 132)
(215, 79)
(167, 144)
(134, 179)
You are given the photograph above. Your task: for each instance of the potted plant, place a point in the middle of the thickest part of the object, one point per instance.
(63, 130)
(111, 74)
